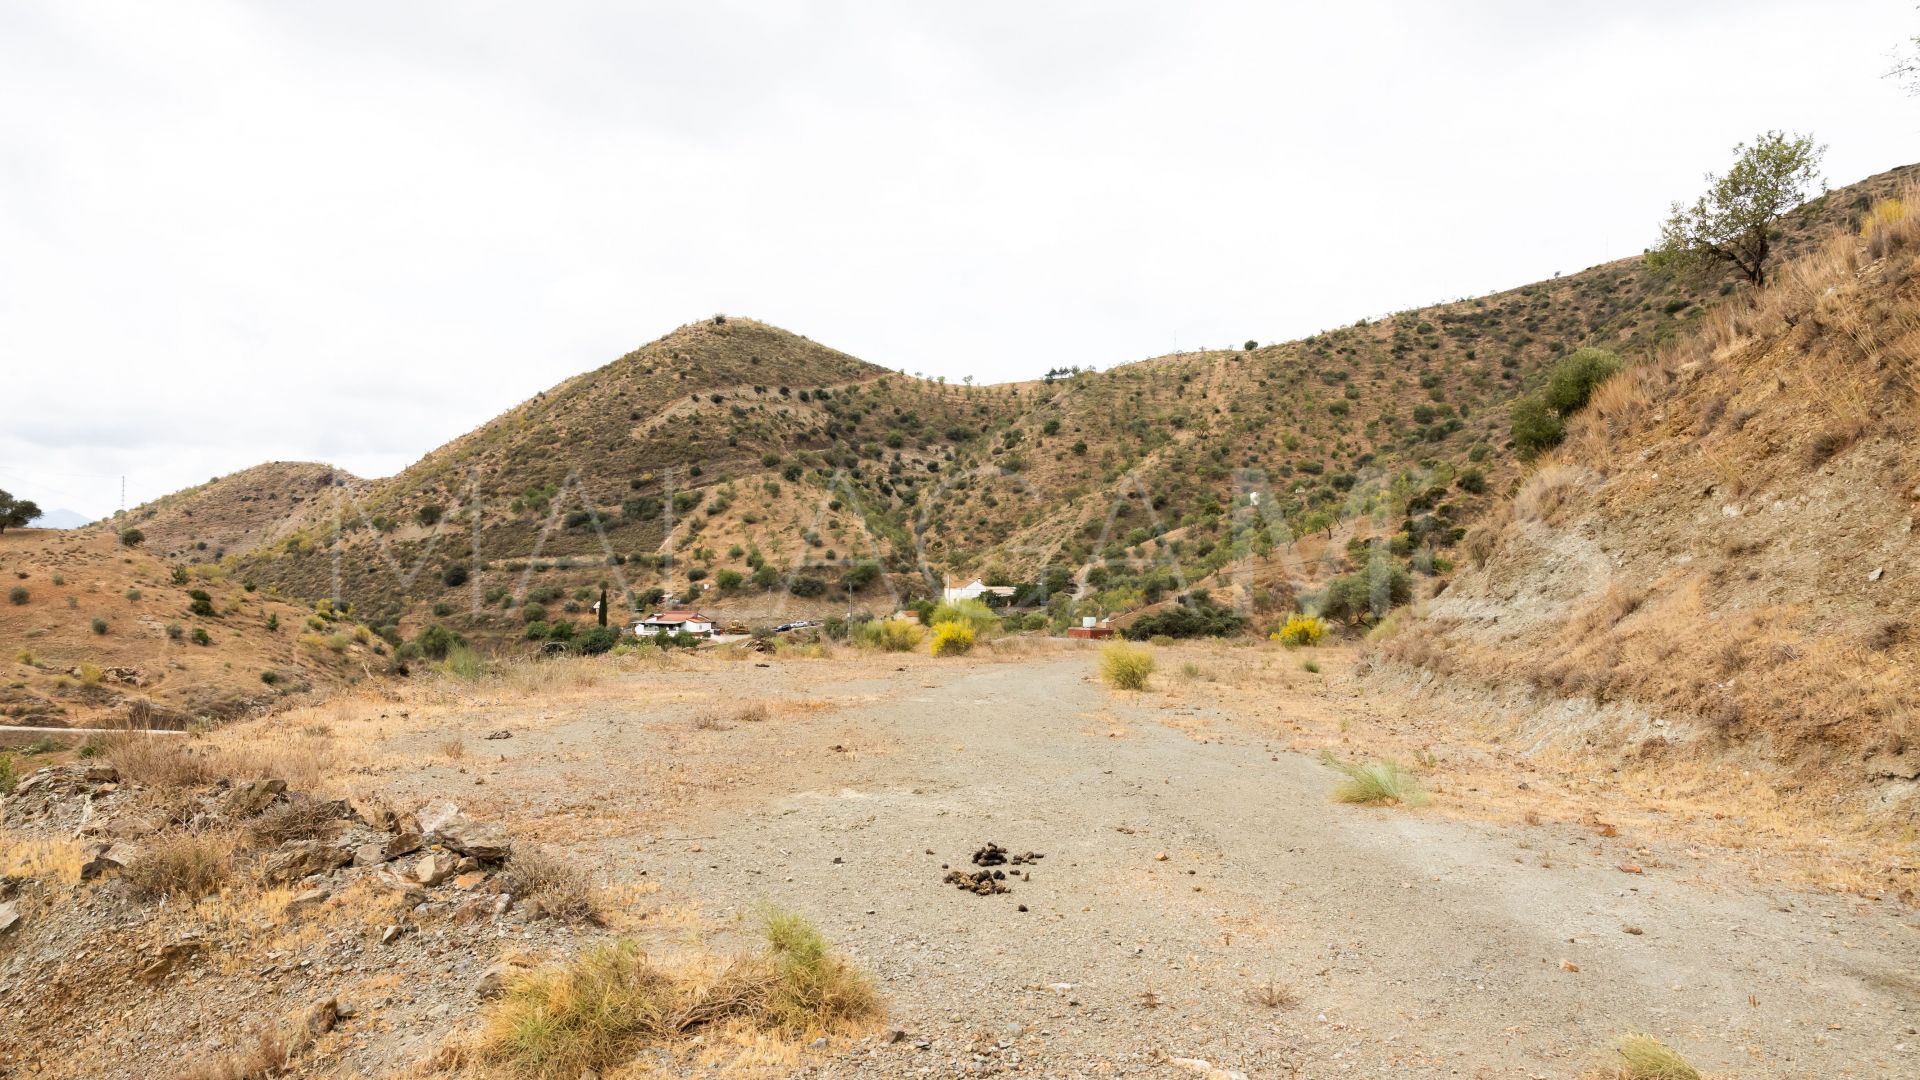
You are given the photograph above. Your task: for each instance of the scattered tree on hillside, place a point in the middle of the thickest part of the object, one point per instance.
(1733, 222)
(16, 512)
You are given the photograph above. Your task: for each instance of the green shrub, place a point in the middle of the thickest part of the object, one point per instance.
(889, 635)
(597, 640)
(199, 603)
(99, 625)
(1574, 379)
(806, 586)
(428, 515)
(1193, 615)
(454, 575)
(174, 631)
(1125, 667)
(132, 537)
(463, 663)
(1366, 594)
(18, 595)
(972, 613)
(201, 637)
(1535, 427)
(952, 639)
(437, 641)
(860, 575)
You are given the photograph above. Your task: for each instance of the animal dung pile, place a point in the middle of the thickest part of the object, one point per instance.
(989, 880)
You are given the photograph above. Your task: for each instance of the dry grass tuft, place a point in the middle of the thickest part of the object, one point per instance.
(754, 712)
(1274, 995)
(1124, 666)
(812, 988)
(560, 886)
(157, 761)
(181, 864)
(599, 1009)
(265, 1053)
(299, 818)
(1375, 783)
(1643, 1057)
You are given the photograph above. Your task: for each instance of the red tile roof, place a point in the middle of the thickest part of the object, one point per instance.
(677, 616)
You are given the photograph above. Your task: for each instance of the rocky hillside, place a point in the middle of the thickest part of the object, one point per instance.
(751, 471)
(1723, 556)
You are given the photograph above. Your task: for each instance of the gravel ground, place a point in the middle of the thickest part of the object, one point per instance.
(1200, 907)
(1190, 861)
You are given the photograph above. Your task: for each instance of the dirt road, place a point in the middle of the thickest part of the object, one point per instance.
(1190, 861)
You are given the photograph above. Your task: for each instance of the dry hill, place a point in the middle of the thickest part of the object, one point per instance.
(234, 513)
(99, 634)
(754, 472)
(1722, 559)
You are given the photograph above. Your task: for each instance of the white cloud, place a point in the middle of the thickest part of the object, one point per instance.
(351, 231)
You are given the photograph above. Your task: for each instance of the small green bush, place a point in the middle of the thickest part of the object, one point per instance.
(454, 575)
(18, 595)
(888, 635)
(1535, 427)
(437, 641)
(1366, 594)
(974, 614)
(132, 537)
(463, 663)
(597, 640)
(99, 625)
(1574, 379)
(201, 637)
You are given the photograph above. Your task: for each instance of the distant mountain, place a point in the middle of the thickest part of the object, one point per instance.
(61, 519)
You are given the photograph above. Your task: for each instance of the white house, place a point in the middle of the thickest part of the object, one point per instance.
(675, 622)
(974, 590)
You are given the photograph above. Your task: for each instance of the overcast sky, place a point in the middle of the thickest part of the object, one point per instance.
(232, 233)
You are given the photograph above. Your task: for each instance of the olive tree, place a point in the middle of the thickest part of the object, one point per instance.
(16, 512)
(1732, 224)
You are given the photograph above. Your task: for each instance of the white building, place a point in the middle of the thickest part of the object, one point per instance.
(974, 590)
(675, 622)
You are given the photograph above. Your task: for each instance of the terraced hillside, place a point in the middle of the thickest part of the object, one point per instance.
(752, 471)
